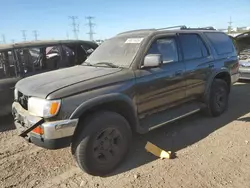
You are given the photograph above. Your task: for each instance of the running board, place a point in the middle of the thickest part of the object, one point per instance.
(162, 118)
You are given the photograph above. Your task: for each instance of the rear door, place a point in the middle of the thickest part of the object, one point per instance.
(198, 63)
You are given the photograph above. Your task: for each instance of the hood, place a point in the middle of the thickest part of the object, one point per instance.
(242, 41)
(41, 85)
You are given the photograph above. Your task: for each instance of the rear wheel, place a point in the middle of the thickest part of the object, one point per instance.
(102, 144)
(218, 98)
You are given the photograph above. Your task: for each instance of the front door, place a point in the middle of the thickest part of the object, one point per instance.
(161, 87)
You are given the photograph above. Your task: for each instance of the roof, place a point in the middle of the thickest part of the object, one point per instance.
(41, 43)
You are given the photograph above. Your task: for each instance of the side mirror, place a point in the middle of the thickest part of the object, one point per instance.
(89, 51)
(152, 60)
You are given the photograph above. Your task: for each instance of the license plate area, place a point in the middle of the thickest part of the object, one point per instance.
(24, 121)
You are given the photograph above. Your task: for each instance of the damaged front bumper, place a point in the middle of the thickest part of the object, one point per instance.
(244, 73)
(55, 134)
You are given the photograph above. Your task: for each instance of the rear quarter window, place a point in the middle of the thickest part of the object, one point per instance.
(221, 42)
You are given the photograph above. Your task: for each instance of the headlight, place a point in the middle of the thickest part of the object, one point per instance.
(43, 108)
(15, 94)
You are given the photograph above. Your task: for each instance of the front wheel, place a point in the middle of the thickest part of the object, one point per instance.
(102, 143)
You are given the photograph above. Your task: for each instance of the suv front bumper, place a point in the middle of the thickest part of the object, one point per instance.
(56, 134)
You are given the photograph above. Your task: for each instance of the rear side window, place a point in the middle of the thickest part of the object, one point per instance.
(193, 47)
(221, 42)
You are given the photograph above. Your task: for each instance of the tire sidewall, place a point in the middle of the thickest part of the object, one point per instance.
(216, 86)
(86, 138)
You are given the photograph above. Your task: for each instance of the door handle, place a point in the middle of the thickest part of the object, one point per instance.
(178, 73)
(211, 65)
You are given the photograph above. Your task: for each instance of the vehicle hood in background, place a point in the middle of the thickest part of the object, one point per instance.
(42, 85)
(245, 63)
(242, 41)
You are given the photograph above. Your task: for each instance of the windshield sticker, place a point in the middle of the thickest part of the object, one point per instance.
(134, 40)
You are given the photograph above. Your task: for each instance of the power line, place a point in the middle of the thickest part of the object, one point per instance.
(35, 34)
(24, 34)
(75, 25)
(91, 25)
(3, 38)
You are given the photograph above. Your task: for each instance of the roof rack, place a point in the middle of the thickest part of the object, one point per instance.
(137, 30)
(173, 27)
(183, 27)
(199, 28)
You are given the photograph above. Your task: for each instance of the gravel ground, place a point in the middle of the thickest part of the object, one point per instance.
(210, 152)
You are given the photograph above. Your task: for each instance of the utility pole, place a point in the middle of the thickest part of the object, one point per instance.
(90, 24)
(24, 34)
(3, 38)
(35, 34)
(75, 25)
(230, 25)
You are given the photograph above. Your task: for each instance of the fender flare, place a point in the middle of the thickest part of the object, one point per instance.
(101, 100)
(210, 81)
(106, 99)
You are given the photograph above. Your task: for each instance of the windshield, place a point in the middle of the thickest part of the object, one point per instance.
(119, 51)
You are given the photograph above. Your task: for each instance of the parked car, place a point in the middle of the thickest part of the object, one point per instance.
(136, 81)
(242, 43)
(21, 60)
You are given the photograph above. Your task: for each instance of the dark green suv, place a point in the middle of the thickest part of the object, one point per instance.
(136, 81)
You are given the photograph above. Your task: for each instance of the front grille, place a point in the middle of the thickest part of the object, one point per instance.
(23, 100)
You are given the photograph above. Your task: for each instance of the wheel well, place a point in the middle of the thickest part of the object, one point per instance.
(226, 77)
(120, 107)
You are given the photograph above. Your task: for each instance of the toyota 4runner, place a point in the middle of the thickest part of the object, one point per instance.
(136, 81)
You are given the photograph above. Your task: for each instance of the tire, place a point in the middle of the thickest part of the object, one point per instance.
(218, 98)
(102, 144)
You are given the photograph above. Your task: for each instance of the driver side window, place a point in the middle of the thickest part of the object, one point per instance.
(166, 47)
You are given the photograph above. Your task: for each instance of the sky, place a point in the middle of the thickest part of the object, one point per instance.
(51, 18)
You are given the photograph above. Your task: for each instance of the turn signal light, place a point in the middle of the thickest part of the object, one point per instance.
(38, 130)
(54, 108)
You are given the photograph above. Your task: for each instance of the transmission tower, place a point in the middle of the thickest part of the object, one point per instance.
(91, 25)
(13, 40)
(24, 34)
(75, 25)
(67, 36)
(230, 25)
(35, 34)
(3, 38)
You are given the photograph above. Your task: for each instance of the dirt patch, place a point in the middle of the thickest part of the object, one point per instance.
(211, 152)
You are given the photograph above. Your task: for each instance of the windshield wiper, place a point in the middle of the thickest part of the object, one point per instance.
(108, 64)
